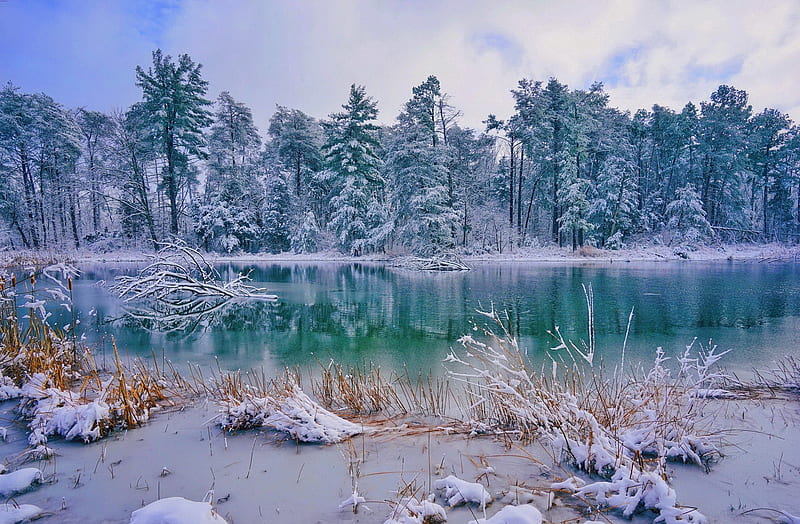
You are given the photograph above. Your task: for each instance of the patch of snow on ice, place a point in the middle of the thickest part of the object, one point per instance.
(19, 481)
(176, 510)
(458, 491)
(16, 513)
(524, 514)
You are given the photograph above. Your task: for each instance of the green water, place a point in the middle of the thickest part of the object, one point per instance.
(358, 313)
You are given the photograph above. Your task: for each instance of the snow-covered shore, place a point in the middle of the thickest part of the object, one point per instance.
(257, 478)
(549, 254)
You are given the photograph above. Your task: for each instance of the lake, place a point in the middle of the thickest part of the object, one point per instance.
(361, 313)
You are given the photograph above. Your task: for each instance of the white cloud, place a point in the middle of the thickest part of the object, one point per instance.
(306, 53)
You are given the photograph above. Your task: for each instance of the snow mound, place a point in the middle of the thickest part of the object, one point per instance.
(411, 511)
(176, 510)
(57, 412)
(524, 514)
(296, 414)
(16, 513)
(19, 481)
(458, 491)
(8, 389)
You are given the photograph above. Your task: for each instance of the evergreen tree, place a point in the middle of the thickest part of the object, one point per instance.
(297, 142)
(176, 113)
(353, 165)
(419, 164)
(686, 217)
(305, 238)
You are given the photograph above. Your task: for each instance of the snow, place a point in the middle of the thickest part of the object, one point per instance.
(8, 389)
(16, 513)
(295, 414)
(458, 491)
(176, 510)
(411, 511)
(524, 514)
(19, 481)
(57, 412)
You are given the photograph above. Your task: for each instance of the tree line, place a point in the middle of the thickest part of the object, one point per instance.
(565, 168)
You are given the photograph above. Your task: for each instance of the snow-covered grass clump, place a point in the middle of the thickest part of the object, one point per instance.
(409, 510)
(176, 510)
(280, 405)
(623, 428)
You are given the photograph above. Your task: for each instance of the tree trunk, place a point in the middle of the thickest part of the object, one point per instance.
(519, 188)
(172, 185)
(511, 186)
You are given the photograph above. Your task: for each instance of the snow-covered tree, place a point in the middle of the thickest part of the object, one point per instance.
(305, 238)
(686, 217)
(353, 168)
(613, 209)
(296, 138)
(176, 113)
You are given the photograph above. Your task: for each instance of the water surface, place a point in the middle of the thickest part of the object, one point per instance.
(359, 313)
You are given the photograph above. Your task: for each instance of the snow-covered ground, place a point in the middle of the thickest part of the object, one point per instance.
(258, 478)
(763, 252)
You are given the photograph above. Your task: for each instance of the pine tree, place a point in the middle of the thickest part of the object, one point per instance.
(353, 165)
(176, 110)
(297, 142)
(686, 217)
(305, 238)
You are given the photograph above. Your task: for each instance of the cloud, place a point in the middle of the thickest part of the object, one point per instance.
(305, 54)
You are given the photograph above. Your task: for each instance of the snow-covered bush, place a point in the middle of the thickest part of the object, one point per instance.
(602, 425)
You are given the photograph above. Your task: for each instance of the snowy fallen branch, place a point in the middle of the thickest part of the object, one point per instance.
(179, 288)
(437, 263)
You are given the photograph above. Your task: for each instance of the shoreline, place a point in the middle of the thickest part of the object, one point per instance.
(545, 255)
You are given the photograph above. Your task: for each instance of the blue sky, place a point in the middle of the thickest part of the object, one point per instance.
(306, 53)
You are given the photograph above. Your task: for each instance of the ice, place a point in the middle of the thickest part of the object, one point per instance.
(524, 514)
(176, 510)
(458, 491)
(19, 481)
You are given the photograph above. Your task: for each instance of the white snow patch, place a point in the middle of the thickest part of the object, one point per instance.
(524, 514)
(19, 481)
(16, 513)
(176, 510)
(458, 491)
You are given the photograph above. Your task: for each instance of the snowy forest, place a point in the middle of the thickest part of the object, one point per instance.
(567, 168)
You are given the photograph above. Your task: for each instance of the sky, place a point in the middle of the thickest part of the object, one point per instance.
(305, 54)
